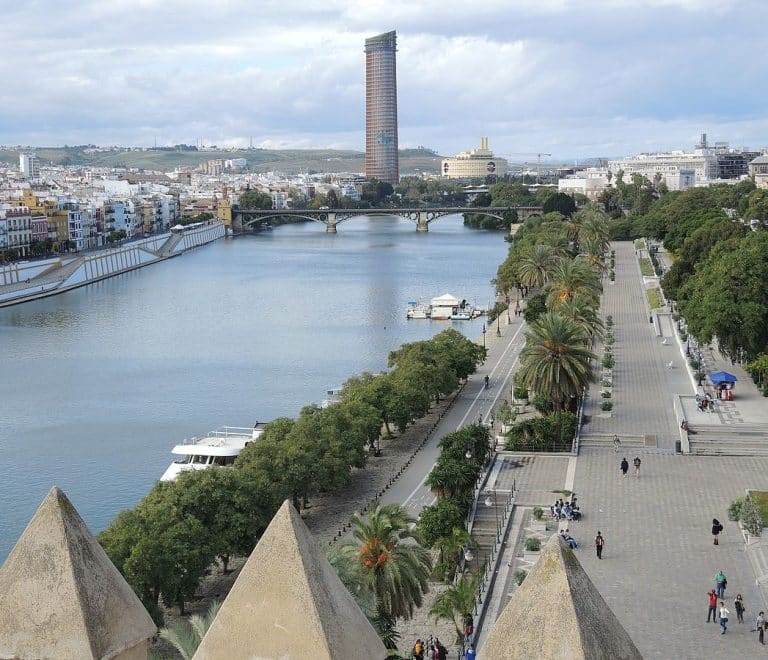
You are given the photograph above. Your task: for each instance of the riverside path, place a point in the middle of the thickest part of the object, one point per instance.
(473, 403)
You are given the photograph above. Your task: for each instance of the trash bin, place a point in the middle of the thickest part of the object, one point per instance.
(678, 447)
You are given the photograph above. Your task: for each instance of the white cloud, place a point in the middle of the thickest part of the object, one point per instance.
(565, 76)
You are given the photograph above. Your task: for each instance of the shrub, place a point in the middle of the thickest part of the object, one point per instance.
(543, 433)
(533, 544)
(543, 405)
(645, 267)
(695, 364)
(520, 392)
(734, 511)
(654, 298)
(609, 340)
(606, 405)
(605, 394)
(700, 376)
(609, 320)
(538, 512)
(683, 337)
(441, 519)
(612, 275)
(520, 576)
(608, 361)
(607, 383)
(751, 517)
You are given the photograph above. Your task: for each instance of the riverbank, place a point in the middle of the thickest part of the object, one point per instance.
(34, 280)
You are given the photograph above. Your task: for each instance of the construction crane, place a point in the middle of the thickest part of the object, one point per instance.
(538, 160)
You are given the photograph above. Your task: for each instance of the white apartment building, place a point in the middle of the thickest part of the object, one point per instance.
(29, 166)
(702, 161)
(474, 164)
(590, 182)
(16, 228)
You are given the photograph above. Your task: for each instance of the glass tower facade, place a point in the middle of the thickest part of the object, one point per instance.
(381, 155)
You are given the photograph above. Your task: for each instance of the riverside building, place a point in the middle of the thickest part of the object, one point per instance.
(381, 155)
(474, 164)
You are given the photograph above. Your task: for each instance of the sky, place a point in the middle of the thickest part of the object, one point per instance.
(574, 78)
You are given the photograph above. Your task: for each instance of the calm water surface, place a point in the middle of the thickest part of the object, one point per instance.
(98, 384)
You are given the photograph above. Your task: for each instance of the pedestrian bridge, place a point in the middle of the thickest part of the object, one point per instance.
(421, 216)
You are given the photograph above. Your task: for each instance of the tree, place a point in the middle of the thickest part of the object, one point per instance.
(456, 603)
(555, 363)
(186, 635)
(253, 199)
(572, 278)
(385, 555)
(727, 297)
(561, 203)
(535, 267)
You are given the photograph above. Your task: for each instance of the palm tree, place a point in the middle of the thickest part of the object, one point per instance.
(535, 266)
(186, 634)
(582, 311)
(387, 560)
(450, 547)
(555, 363)
(594, 227)
(571, 278)
(456, 603)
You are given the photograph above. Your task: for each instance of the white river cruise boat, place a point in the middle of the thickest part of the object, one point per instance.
(219, 447)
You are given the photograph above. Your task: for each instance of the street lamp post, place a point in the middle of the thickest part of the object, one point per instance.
(498, 325)
(483, 335)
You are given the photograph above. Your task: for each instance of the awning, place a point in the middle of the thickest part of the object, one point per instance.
(718, 377)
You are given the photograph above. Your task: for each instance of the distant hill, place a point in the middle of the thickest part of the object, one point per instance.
(289, 161)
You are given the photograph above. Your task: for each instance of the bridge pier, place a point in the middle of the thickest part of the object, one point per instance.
(330, 223)
(422, 224)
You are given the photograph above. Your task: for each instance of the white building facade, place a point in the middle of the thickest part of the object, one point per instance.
(703, 162)
(29, 166)
(474, 164)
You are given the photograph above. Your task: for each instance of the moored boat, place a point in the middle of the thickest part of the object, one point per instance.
(220, 447)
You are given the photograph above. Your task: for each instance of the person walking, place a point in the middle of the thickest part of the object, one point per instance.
(721, 582)
(712, 606)
(738, 605)
(624, 466)
(616, 443)
(469, 654)
(760, 627)
(724, 612)
(636, 463)
(716, 529)
(599, 543)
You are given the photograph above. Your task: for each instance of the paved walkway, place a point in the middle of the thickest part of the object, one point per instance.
(659, 559)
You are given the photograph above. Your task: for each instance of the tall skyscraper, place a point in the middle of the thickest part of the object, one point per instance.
(381, 156)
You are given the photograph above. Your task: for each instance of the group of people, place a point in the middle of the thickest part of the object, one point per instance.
(567, 510)
(705, 403)
(624, 466)
(566, 536)
(719, 612)
(431, 649)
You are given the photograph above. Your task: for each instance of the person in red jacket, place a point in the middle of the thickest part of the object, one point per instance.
(712, 606)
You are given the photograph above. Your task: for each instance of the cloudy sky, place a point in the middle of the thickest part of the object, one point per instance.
(575, 78)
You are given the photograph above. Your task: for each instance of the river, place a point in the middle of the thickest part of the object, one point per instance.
(98, 384)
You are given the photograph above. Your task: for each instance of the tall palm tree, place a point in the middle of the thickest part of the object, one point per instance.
(581, 310)
(387, 560)
(594, 227)
(456, 603)
(450, 547)
(536, 265)
(570, 278)
(555, 362)
(186, 634)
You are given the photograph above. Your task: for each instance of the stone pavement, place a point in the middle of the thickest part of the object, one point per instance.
(659, 558)
(642, 379)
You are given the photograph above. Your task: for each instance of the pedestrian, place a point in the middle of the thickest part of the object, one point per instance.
(738, 604)
(716, 529)
(599, 543)
(418, 650)
(624, 466)
(636, 463)
(721, 582)
(469, 654)
(712, 606)
(760, 627)
(724, 612)
(616, 443)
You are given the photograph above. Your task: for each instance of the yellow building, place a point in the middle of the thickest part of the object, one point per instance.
(224, 209)
(474, 164)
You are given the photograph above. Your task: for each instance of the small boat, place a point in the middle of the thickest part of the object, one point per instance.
(459, 314)
(331, 396)
(418, 310)
(220, 447)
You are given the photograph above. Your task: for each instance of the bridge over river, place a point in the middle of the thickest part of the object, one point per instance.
(421, 216)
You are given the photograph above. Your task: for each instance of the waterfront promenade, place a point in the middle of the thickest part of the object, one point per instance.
(659, 559)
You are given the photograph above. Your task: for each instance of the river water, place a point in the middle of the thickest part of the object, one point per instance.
(98, 384)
